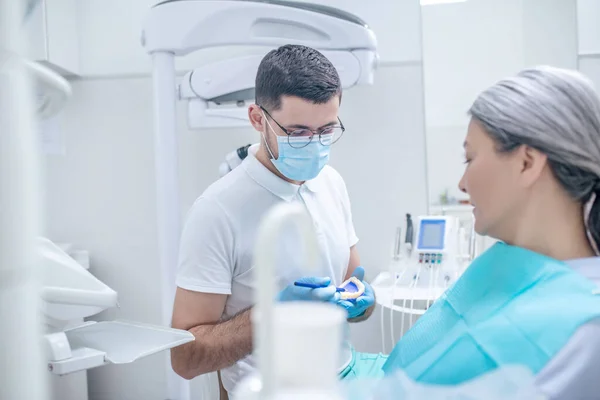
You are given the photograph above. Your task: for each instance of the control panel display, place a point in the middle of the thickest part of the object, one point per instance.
(431, 236)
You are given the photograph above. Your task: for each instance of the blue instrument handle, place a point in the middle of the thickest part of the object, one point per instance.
(313, 286)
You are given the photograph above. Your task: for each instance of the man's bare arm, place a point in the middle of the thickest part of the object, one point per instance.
(219, 343)
(353, 262)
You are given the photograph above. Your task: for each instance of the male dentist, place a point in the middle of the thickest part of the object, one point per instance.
(298, 94)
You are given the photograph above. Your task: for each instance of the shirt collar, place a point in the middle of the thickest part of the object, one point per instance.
(274, 184)
(314, 185)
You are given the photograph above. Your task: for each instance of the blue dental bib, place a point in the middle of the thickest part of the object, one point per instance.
(511, 306)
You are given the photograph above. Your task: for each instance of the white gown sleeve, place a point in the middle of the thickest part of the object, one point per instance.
(574, 373)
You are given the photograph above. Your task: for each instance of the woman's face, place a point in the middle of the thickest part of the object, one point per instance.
(492, 180)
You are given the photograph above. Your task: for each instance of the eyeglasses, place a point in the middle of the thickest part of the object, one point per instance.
(297, 137)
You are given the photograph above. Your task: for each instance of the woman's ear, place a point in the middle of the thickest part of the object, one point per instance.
(533, 162)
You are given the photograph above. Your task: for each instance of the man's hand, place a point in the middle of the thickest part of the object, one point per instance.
(362, 307)
(325, 293)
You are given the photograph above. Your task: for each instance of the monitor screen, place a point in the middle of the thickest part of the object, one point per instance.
(431, 236)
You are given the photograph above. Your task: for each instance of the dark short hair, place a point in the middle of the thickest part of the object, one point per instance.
(295, 70)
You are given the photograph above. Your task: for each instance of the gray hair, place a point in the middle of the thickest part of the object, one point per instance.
(557, 112)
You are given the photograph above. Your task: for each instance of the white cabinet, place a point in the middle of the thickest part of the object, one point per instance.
(52, 35)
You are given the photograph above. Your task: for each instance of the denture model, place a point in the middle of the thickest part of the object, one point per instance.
(353, 289)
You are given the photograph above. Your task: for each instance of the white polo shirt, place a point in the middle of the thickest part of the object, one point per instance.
(217, 242)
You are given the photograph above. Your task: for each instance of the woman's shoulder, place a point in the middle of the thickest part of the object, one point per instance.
(573, 372)
(588, 267)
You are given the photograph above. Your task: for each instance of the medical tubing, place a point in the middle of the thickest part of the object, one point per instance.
(396, 256)
(411, 286)
(432, 276)
(383, 331)
(397, 279)
(412, 301)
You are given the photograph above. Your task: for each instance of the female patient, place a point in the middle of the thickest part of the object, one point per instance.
(533, 176)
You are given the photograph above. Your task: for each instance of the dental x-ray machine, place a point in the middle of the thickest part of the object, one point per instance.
(217, 93)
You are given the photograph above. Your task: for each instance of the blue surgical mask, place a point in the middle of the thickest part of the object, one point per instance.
(302, 162)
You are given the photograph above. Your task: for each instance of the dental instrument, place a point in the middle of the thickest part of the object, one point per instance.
(215, 92)
(315, 286)
(409, 234)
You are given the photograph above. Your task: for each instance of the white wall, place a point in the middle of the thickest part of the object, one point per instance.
(467, 47)
(588, 28)
(100, 196)
(101, 193)
(588, 12)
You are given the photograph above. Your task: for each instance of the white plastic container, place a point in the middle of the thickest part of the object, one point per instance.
(306, 346)
(307, 337)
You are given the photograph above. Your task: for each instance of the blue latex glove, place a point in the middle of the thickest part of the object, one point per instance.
(327, 293)
(357, 307)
